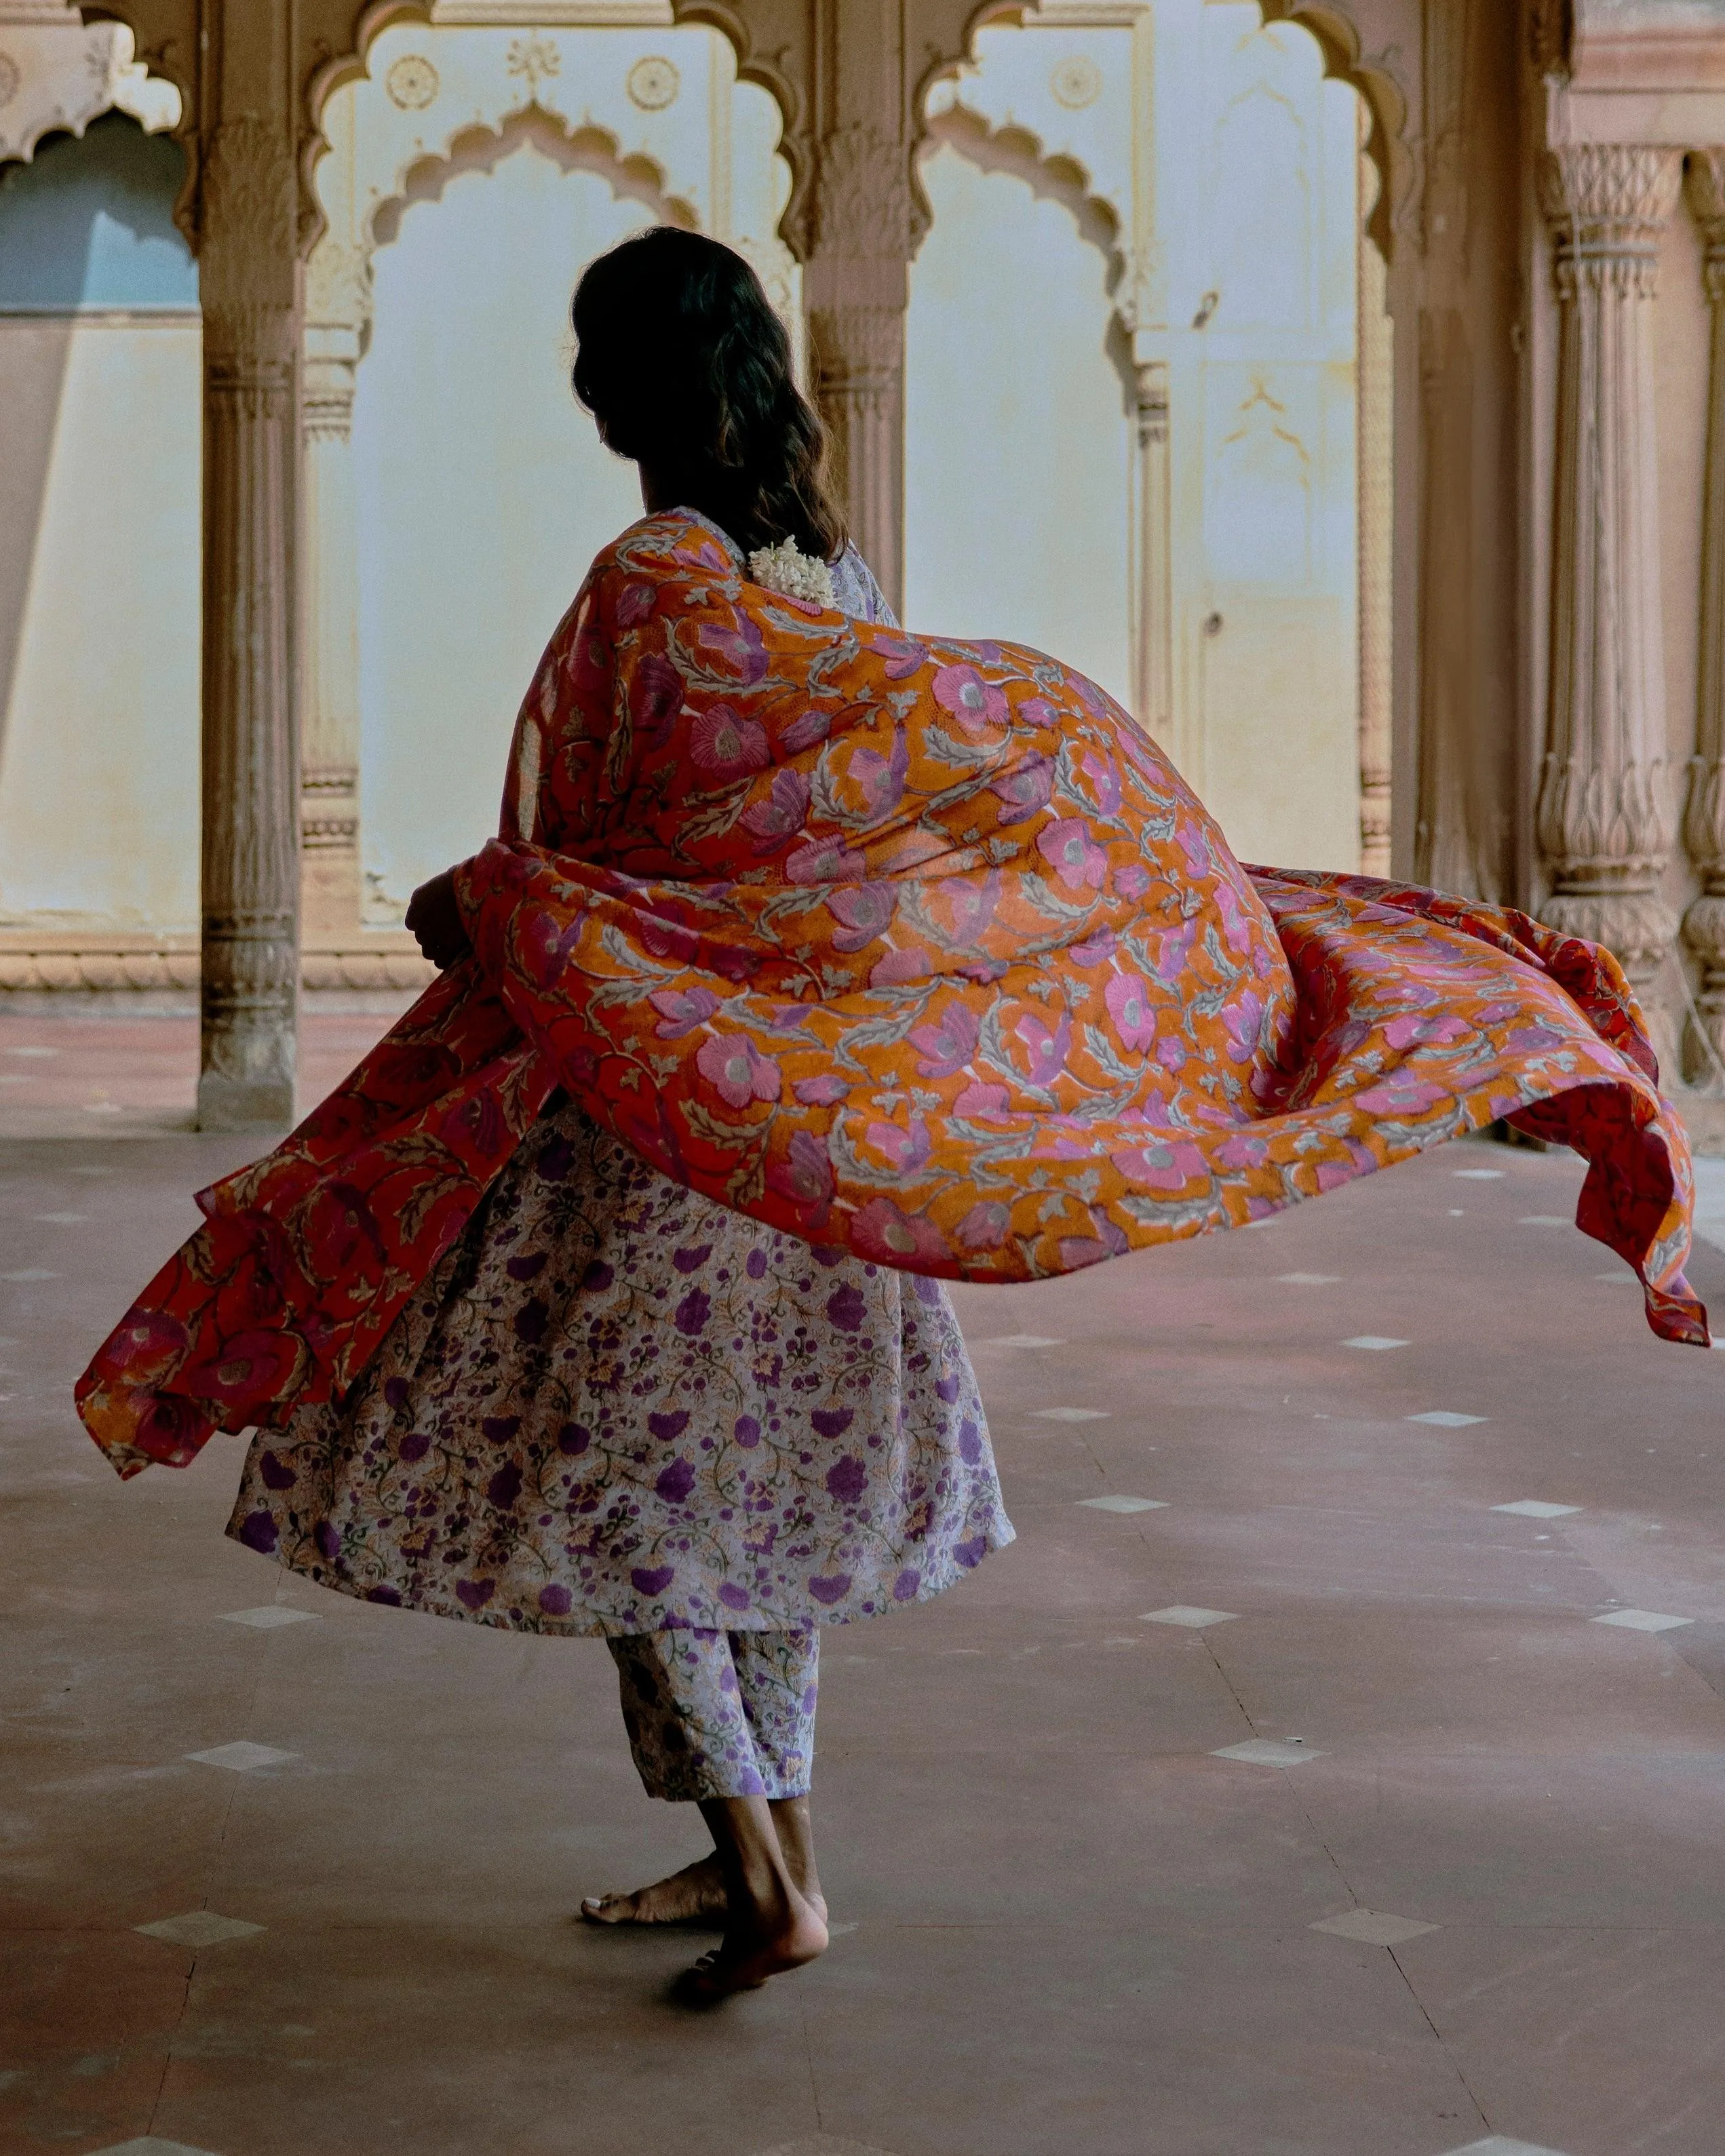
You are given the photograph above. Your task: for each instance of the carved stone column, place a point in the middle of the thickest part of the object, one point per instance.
(1375, 452)
(1604, 817)
(1151, 592)
(856, 289)
(1704, 817)
(337, 306)
(251, 278)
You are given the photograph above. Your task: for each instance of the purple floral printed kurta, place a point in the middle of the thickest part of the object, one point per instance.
(617, 1406)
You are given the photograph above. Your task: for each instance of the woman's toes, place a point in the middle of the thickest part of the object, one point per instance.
(609, 1908)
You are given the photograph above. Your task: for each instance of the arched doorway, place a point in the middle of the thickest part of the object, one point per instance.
(455, 492)
(1197, 449)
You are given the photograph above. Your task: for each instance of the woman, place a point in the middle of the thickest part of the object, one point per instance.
(820, 1420)
(913, 956)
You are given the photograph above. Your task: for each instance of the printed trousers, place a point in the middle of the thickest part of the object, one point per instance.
(720, 1714)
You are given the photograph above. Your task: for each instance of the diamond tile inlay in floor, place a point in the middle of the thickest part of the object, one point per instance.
(243, 1756)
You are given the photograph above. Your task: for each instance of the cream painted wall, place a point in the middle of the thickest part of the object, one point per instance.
(1226, 165)
(483, 493)
(1017, 442)
(100, 714)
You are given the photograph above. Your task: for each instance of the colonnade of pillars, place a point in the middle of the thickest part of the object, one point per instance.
(1605, 823)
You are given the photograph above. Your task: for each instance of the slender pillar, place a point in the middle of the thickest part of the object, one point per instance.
(1704, 816)
(1604, 819)
(859, 242)
(250, 283)
(857, 356)
(336, 309)
(1375, 453)
(1153, 603)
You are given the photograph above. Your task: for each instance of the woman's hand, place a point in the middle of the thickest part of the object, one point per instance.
(434, 922)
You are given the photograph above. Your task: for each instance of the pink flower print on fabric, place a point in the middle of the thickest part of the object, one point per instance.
(655, 698)
(805, 1177)
(737, 1071)
(1026, 789)
(726, 745)
(1129, 1006)
(1243, 1025)
(908, 1149)
(636, 602)
(1047, 1046)
(1165, 1168)
(822, 1091)
(738, 644)
(1402, 1094)
(781, 815)
(1102, 777)
(825, 860)
(880, 779)
(1075, 856)
(681, 1011)
(1414, 1028)
(902, 657)
(984, 1227)
(947, 1043)
(891, 1237)
(865, 912)
(899, 968)
(979, 707)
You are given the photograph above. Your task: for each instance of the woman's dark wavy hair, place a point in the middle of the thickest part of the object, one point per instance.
(682, 362)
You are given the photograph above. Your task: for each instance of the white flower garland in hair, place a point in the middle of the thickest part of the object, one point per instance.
(791, 574)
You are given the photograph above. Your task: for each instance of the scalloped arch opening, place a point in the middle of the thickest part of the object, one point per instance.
(1051, 177)
(587, 148)
(1385, 101)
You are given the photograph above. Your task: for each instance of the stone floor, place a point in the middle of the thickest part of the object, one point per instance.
(1335, 1766)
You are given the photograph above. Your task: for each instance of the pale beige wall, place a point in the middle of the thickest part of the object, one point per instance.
(98, 620)
(1017, 442)
(483, 493)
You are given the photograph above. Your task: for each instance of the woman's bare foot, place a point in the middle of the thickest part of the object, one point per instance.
(693, 1896)
(771, 1926)
(696, 1894)
(759, 1944)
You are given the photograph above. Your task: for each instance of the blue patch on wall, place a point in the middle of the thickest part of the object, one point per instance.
(89, 224)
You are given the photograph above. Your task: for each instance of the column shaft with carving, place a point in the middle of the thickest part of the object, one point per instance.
(337, 308)
(1704, 818)
(1604, 819)
(250, 276)
(1376, 463)
(858, 244)
(1153, 599)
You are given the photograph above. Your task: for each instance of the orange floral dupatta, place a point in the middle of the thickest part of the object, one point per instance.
(911, 946)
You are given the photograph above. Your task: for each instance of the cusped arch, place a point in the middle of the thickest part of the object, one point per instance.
(769, 70)
(131, 82)
(1329, 21)
(479, 148)
(1051, 176)
(1386, 100)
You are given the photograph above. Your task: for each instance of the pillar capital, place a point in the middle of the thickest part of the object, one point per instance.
(1606, 204)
